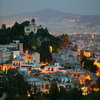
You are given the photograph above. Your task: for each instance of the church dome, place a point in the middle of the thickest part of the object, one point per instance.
(33, 20)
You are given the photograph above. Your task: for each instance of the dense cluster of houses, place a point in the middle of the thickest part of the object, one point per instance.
(40, 74)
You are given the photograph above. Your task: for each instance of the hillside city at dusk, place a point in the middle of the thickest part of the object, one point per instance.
(49, 50)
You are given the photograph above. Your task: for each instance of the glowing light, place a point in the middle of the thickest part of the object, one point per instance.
(34, 47)
(84, 90)
(88, 77)
(87, 54)
(97, 73)
(92, 36)
(26, 51)
(50, 48)
(14, 56)
(28, 73)
(97, 63)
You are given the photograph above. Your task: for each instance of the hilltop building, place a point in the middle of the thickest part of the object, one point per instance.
(32, 27)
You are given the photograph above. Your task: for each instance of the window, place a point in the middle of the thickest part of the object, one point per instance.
(42, 67)
(42, 86)
(39, 89)
(27, 29)
(19, 64)
(46, 86)
(48, 69)
(74, 75)
(78, 75)
(68, 87)
(52, 69)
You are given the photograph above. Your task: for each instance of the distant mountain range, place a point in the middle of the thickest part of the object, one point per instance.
(57, 21)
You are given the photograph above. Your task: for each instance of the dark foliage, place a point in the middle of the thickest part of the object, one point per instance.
(89, 65)
(14, 83)
(39, 42)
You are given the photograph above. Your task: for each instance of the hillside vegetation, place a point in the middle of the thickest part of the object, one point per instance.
(40, 42)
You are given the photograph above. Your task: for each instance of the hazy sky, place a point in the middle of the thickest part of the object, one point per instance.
(11, 7)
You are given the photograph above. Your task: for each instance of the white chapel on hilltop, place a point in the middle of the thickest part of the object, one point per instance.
(32, 27)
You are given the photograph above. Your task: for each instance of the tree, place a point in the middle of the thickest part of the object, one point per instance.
(64, 41)
(84, 58)
(54, 92)
(18, 98)
(3, 26)
(74, 94)
(42, 32)
(62, 93)
(93, 96)
(98, 82)
(15, 84)
(89, 65)
(25, 23)
(45, 52)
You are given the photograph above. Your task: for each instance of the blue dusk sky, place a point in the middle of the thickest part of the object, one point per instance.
(84, 7)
